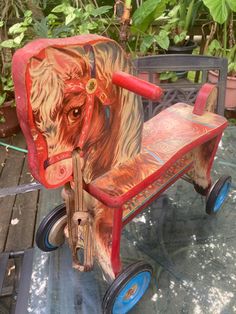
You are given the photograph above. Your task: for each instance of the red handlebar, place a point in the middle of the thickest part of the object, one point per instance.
(137, 86)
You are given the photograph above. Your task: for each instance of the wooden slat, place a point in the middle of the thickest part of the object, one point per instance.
(21, 230)
(24, 283)
(3, 157)
(3, 267)
(9, 177)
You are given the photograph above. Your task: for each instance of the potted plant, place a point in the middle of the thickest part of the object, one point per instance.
(10, 12)
(65, 20)
(180, 20)
(146, 36)
(164, 27)
(8, 119)
(222, 43)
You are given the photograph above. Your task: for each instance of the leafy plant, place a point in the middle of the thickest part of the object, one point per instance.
(180, 21)
(222, 41)
(215, 48)
(65, 20)
(159, 23)
(6, 89)
(17, 31)
(145, 32)
(11, 12)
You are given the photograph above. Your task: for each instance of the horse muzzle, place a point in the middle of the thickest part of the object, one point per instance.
(58, 168)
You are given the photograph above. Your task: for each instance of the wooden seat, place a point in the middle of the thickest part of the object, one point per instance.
(167, 140)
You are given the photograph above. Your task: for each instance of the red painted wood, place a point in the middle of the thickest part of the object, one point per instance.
(136, 85)
(37, 147)
(138, 211)
(202, 97)
(116, 237)
(168, 136)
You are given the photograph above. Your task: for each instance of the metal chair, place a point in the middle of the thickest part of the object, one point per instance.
(183, 90)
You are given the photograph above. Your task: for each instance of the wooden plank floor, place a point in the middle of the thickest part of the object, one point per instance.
(17, 213)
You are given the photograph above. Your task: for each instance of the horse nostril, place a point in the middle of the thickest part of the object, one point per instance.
(62, 170)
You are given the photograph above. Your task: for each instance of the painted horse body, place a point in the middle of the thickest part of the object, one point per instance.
(105, 121)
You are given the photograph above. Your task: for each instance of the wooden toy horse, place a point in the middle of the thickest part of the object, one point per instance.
(71, 104)
(85, 130)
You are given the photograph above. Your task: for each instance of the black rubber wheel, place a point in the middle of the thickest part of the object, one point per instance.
(52, 226)
(217, 195)
(127, 289)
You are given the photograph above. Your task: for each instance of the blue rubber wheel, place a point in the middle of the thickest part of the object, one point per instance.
(127, 289)
(217, 195)
(50, 233)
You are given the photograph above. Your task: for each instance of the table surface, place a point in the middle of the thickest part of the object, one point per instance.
(193, 255)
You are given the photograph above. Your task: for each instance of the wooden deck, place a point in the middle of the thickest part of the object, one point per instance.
(20, 215)
(18, 212)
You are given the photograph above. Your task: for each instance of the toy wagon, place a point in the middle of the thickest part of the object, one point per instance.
(82, 119)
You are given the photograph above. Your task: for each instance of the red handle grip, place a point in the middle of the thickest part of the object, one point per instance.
(137, 86)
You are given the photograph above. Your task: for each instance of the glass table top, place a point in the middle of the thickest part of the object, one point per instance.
(193, 255)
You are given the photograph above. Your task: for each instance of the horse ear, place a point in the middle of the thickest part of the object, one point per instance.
(63, 58)
(34, 62)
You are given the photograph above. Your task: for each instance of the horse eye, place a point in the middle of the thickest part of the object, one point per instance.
(73, 114)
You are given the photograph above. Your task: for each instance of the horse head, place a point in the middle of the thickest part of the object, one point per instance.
(72, 104)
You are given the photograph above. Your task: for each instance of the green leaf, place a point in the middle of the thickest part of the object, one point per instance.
(2, 119)
(69, 18)
(60, 30)
(52, 17)
(173, 12)
(101, 10)
(69, 10)
(17, 40)
(7, 43)
(168, 75)
(17, 28)
(2, 98)
(219, 9)
(215, 48)
(78, 12)
(148, 40)
(60, 8)
(27, 21)
(147, 13)
(92, 25)
(179, 38)
(163, 40)
(83, 29)
(232, 5)
(1, 23)
(231, 67)
(28, 13)
(89, 8)
(41, 28)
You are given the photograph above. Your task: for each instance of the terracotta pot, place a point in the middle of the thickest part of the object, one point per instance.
(144, 76)
(11, 125)
(230, 96)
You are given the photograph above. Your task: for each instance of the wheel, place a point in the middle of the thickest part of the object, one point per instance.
(217, 194)
(127, 289)
(50, 233)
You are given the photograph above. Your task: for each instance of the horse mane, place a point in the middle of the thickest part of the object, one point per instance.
(124, 139)
(119, 135)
